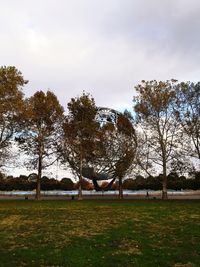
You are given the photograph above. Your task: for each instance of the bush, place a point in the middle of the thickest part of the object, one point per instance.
(66, 184)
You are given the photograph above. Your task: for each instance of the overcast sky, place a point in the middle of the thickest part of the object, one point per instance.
(104, 47)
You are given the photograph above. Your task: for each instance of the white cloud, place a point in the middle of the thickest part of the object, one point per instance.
(104, 47)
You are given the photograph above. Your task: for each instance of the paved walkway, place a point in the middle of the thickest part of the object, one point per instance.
(102, 197)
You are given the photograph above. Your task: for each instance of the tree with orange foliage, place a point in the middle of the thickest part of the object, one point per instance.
(80, 134)
(42, 133)
(11, 107)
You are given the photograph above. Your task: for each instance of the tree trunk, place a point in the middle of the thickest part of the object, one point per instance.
(37, 197)
(120, 189)
(164, 190)
(80, 195)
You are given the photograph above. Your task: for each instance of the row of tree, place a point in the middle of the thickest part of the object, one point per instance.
(28, 183)
(175, 182)
(168, 114)
(165, 131)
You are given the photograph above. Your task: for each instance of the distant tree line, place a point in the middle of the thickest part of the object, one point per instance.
(28, 183)
(163, 133)
(175, 182)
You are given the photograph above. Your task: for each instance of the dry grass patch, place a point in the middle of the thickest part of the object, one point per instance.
(126, 247)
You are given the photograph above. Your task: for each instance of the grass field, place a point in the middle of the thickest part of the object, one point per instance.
(100, 233)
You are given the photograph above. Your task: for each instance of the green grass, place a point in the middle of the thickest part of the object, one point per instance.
(100, 233)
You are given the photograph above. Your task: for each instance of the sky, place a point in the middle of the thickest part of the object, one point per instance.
(103, 47)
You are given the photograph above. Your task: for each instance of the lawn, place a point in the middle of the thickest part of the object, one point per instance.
(100, 233)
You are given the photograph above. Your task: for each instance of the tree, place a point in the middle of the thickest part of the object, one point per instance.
(129, 184)
(143, 160)
(188, 106)
(97, 150)
(125, 147)
(40, 141)
(11, 107)
(66, 184)
(80, 134)
(116, 150)
(157, 117)
(113, 151)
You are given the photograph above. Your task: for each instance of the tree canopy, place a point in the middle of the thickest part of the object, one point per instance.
(188, 109)
(43, 127)
(155, 111)
(80, 134)
(101, 143)
(11, 107)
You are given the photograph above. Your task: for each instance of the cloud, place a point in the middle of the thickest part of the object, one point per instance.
(104, 47)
